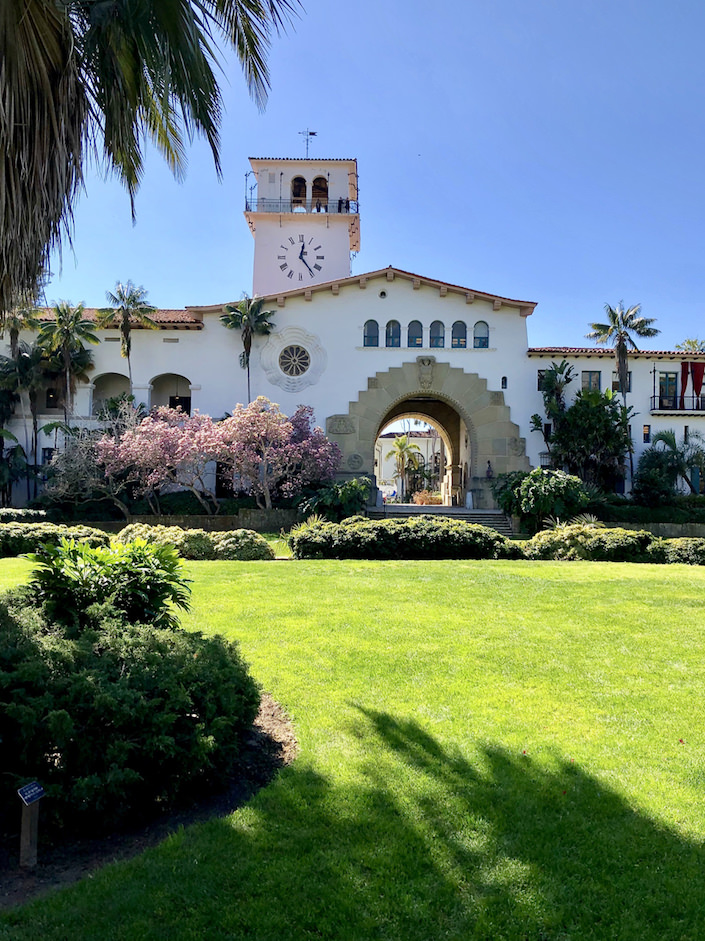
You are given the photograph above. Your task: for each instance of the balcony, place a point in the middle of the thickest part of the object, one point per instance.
(672, 403)
(333, 206)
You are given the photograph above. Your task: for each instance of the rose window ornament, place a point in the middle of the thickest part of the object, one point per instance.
(294, 360)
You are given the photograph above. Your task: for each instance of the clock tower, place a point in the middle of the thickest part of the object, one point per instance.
(304, 217)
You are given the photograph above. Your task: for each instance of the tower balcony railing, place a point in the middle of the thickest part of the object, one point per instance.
(332, 206)
(673, 403)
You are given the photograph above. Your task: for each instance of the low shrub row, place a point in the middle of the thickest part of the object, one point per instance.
(419, 537)
(11, 515)
(426, 537)
(18, 538)
(243, 545)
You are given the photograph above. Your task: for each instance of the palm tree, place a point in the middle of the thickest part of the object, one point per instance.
(691, 345)
(65, 336)
(24, 316)
(248, 317)
(128, 308)
(406, 455)
(75, 82)
(683, 455)
(619, 332)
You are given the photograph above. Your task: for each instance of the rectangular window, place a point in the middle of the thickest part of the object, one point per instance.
(47, 455)
(539, 384)
(667, 389)
(52, 398)
(647, 434)
(547, 429)
(615, 381)
(591, 380)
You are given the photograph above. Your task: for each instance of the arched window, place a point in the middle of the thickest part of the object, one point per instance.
(438, 334)
(393, 333)
(415, 334)
(481, 335)
(298, 191)
(319, 194)
(370, 336)
(460, 335)
(504, 382)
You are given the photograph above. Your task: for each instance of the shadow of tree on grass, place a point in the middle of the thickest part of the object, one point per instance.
(416, 843)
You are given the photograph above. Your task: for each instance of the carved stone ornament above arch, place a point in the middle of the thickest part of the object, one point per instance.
(293, 359)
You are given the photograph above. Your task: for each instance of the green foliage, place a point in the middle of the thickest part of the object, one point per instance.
(118, 718)
(418, 537)
(141, 581)
(336, 501)
(18, 538)
(655, 478)
(10, 515)
(240, 544)
(592, 439)
(505, 488)
(543, 493)
(580, 541)
(684, 551)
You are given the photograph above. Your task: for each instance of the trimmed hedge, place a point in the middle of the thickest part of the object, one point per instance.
(418, 537)
(243, 545)
(587, 542)
(686, 551)
(18, 538)
(11, 515)
(117, 719)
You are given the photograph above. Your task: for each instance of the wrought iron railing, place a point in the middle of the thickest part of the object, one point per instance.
(337, 206)
(673, 403)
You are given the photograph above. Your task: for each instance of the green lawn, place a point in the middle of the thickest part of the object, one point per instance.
(488, 750)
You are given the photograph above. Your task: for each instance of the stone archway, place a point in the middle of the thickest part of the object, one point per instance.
(493, 436)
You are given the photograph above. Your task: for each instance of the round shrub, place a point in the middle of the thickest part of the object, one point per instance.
(568, 543)
(687, 551)
(117, 719)
(19, 538)
(242, 545)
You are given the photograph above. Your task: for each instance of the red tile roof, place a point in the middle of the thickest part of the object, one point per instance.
(175, 319)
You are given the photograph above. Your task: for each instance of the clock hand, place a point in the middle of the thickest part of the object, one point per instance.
(301, 253)
(307, 265)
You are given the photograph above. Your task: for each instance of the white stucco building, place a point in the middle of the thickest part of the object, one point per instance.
(370, 348)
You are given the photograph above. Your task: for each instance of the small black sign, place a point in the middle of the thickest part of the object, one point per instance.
(31, 792)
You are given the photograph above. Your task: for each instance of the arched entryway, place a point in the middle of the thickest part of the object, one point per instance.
(460, 402)
(441, 444)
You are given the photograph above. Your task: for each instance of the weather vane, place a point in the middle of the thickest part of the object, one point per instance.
(308, 135)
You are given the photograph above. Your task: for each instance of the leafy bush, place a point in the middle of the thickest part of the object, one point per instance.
(505, 489)
(117, 718)
(19, 538)
(420, 537)
(545, 493)
(240, 544)
(140, 581)
(336, 501)
(595, 545)
(686, 551)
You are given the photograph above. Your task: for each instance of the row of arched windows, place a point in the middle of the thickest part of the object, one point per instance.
(436, 334)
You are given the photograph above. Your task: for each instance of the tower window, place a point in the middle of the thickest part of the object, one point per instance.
(481, 335)
(591, 380)
(319, 194)
(438, 334)
(415, 334)
(370, 336)
(298, 191)
(504, 382)
(459, 336)
(393, 333)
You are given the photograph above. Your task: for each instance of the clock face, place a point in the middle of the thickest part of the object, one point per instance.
(301, 258)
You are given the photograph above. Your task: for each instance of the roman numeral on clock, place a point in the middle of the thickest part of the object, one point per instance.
(284, 266)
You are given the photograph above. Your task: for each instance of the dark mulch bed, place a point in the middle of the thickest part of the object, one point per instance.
(270, 746)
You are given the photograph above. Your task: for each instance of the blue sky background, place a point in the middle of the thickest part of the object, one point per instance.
(546, 150)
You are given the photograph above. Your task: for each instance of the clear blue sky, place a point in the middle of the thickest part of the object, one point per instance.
(546, 150)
